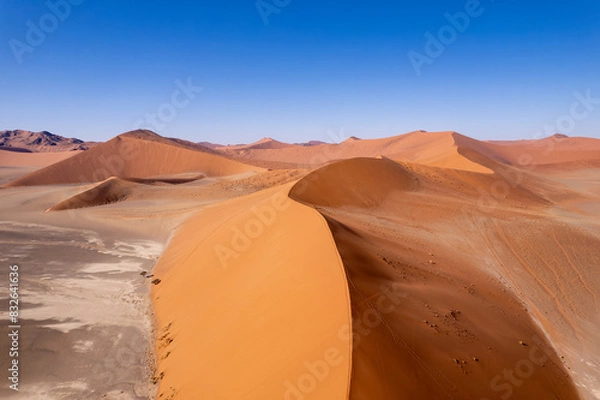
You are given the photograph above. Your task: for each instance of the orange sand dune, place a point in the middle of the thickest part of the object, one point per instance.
(364, 182)
(439, 149)
(253, 304)
(139, 154)
(18, 159)
(113, 190)
(435, 148)
(110, 191)
(369, 182)
(493, 299)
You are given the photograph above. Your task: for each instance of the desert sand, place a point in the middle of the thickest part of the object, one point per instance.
(428, 265)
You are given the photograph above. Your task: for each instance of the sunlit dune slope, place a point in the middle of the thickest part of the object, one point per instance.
(491, 300)
(253, 303)
(138, 154)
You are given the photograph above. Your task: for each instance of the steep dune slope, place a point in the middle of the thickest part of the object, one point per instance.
(253, 304)
(481, 309)
(138, 154)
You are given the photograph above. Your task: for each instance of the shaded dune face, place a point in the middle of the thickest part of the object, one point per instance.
(113, 190)
(437, 313)
(110, 191)
(138, 154)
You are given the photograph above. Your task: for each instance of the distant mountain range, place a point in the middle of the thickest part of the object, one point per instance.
(38, 142)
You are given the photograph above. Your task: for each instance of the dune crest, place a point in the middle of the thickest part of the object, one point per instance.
(253, 289)
(114, 190)
(359, 182)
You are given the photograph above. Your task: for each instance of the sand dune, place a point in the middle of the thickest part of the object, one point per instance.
(138, 154)
(359, 182)
(468, 309)
(430, 148)
(253, 289)
(109, 191)
(439, 149)
(114, 190)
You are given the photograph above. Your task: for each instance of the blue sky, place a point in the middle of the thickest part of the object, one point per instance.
(318, 66)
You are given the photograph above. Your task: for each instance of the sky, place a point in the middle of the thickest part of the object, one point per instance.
(237, 71)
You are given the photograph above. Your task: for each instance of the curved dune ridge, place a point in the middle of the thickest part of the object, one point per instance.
(361, 182)
(253, 303)
(109, 191)
(490, 311)
(113, 190)
(138, 154)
